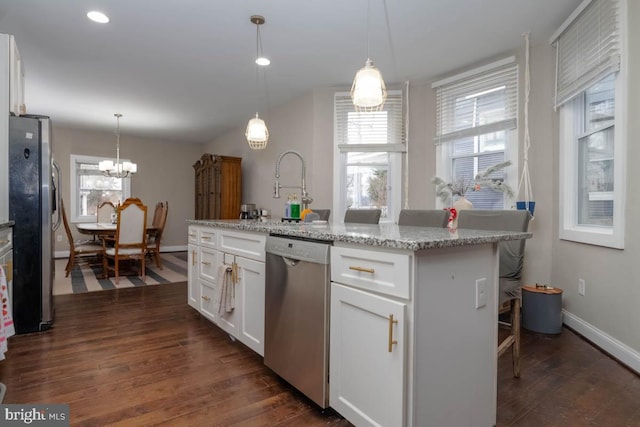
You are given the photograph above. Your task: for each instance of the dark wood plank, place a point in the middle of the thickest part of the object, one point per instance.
(142, 356)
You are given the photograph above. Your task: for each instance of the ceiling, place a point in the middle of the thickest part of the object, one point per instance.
(183, 70)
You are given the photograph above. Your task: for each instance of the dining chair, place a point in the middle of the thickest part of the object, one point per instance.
(322, 213)
(424, 218)
(154, 237)
(130, 241)
(105, 209)
(510, 270)
(362, 216)
(79, 249)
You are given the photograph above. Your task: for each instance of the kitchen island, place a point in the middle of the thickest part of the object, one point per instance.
(413, 313)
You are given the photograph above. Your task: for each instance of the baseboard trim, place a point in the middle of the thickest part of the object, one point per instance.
(175, 248)
(617, 349)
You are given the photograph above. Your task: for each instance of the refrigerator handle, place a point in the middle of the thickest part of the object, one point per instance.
(57, 179)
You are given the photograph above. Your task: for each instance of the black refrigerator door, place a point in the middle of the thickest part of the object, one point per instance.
(25, 209)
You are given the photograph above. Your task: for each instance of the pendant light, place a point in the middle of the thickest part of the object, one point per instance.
(257, 133)
(118, 169)
(368, 91)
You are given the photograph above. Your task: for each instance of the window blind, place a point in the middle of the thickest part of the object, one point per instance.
(369, 131)
(494, 87)
(588, 48)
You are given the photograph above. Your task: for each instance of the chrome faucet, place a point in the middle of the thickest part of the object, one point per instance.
(306, 200)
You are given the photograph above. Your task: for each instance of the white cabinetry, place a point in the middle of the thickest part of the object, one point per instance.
(368, 335)
(434, 362)
(11, 101)
(16, 79)
(243, 252)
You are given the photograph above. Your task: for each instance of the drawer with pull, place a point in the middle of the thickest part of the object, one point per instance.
(208, 264)
(208, 237)
(383, 272)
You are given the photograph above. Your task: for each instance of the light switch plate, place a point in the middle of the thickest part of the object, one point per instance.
(481, 292)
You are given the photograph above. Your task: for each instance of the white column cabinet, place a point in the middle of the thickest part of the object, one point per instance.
(367, 374)
(11, 101)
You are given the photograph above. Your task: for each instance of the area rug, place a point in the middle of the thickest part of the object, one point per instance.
(88, 277)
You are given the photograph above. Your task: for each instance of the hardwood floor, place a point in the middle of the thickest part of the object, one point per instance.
(141, 356)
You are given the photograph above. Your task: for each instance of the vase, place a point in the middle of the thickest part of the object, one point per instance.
(460, 205)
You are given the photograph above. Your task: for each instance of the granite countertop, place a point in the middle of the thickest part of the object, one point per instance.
(383, 235)
(5, 224)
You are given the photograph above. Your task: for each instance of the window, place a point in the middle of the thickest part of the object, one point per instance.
(89, 188)
(368, 156)
(477, 129)
(590, 92)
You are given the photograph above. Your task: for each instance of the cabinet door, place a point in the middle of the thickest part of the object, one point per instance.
(366, 379)
(228, 321)
(193, 297)
(250, 297)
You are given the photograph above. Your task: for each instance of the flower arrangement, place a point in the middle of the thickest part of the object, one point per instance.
(446, 190)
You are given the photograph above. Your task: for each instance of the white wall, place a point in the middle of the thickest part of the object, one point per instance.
(612, 277)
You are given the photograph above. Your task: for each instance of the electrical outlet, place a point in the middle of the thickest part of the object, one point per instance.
(481, 292)
(581, 287)
(59, 238)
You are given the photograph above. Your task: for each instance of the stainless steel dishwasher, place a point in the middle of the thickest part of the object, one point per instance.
(296, 342)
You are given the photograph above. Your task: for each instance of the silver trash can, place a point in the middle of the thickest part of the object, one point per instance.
(542, 309)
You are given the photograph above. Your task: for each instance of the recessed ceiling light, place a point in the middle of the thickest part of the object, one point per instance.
(98, 17)
(263, 61)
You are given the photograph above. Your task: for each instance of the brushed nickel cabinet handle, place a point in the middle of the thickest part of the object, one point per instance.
(362, 269)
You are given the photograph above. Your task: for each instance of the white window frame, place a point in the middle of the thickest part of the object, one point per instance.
(444, 157)
(570, 130)
(74, 188)
(394, 176)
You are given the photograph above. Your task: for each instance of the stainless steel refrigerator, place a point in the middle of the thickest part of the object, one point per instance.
(33, 181)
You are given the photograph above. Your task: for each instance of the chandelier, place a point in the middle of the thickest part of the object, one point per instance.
(257, 133)
(118, 169)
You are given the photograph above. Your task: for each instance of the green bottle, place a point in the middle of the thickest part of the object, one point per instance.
(295, 207)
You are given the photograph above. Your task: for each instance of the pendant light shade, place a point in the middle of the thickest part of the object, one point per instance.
(257, 133)
(368, 91)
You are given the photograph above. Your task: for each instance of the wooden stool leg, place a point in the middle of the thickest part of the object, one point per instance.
(515, 331)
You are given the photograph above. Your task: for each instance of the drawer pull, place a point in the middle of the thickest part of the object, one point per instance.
(205, 263)
(391, 340)
(362, 269)
(193, 257)
(206, 298)
(192, 235)
(4, 242)
(205, 238)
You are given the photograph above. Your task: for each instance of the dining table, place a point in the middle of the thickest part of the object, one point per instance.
(102, 229)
